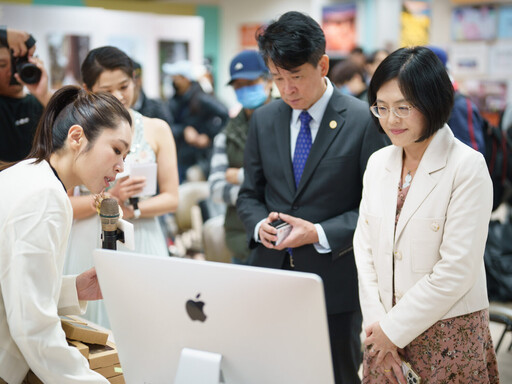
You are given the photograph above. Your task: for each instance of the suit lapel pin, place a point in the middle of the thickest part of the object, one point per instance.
(333, 124)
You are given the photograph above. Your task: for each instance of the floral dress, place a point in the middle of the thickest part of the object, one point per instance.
(455, 350)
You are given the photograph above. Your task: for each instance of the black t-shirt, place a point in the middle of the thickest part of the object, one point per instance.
(18, 123)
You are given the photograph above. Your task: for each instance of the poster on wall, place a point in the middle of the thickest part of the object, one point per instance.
(170, 52)
(505, 22)
(415, 20)
(339, 26)
(500, 59)
(66, 53)
(468, 59)
(474, 23)
(488, 95)
(248, 36)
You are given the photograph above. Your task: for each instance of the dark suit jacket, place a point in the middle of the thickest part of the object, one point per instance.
(329, 192)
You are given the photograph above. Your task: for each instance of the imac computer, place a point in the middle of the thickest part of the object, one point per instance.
(197, 322)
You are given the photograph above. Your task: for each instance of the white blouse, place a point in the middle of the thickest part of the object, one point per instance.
(35, 221)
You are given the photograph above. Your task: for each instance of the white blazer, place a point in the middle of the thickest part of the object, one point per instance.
(35, 221)
(438, 246)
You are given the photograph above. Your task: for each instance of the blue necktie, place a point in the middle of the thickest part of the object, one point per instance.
(302, 146)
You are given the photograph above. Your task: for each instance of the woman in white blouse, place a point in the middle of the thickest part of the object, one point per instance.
(420, 238)
(82, 138)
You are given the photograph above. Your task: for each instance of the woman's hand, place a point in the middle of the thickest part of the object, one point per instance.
(87, 285)
(127, 187)
(392, 370)
(380, 345)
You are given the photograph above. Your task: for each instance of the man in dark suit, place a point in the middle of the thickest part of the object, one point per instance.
(304, 161)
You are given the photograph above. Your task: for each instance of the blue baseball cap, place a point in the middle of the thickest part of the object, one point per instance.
(247, 65)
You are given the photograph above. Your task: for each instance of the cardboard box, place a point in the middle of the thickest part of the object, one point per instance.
(110, 371)
(31, 378)
(72, 319)
(117, 380)
(102, 355)
(82, 348)
(84, 333)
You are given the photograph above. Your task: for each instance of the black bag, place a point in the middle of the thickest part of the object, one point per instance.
(498, 261)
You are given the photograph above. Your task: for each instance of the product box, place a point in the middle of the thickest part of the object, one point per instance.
(31, 378)
(117, 380)
(110, 371)
(83, 332)
(102, 355)
(72, 319)
(82, 348)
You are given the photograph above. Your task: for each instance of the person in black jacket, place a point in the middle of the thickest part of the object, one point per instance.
(197, 118)
(146, 106)
(19, 111)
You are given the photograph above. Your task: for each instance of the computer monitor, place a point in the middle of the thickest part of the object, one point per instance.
(268, 326)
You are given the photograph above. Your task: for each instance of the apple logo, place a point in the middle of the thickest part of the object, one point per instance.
(195, 309)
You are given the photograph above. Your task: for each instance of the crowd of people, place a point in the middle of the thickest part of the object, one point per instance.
(366, 160)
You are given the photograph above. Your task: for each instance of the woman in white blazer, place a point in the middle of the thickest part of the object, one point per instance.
(420, 238)
(82, 138)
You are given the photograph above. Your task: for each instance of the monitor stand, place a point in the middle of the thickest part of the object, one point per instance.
(199, 367)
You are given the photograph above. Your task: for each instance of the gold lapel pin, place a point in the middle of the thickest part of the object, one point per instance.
(333, 124)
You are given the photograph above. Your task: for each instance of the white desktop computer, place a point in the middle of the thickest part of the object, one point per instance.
(186, 321)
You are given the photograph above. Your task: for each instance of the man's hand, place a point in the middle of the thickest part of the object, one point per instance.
(380, 345)
(303, 232)
(16, 40)
(267, 233)
(232, 175)
(190, 135)
(87, 286)
(203, 141)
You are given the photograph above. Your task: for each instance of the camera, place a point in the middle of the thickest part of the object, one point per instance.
(283, 230)
(27, 71)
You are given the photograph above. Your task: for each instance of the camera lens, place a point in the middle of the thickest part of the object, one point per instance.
(28, 72)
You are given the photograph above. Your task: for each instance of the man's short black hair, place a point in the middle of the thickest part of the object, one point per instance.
(423, 81)
(344, 71)
(291, 41)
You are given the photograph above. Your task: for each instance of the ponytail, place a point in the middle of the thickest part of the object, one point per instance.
(70, 106)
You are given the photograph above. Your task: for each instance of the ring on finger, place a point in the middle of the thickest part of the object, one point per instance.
(387, 370)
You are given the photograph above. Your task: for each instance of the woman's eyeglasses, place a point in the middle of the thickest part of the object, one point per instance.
(382, 112)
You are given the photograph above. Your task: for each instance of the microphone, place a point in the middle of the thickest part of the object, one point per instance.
(109, 215)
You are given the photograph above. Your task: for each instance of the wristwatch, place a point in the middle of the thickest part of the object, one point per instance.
(136, 210)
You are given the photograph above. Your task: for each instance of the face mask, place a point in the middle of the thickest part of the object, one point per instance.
(345, 90)
(252, 96)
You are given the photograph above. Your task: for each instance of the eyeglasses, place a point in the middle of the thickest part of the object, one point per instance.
(382, 112)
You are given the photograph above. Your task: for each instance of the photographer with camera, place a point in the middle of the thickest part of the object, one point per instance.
(20, 111)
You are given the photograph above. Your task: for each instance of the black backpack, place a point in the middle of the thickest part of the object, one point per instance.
(498, 155)
(498, 150)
